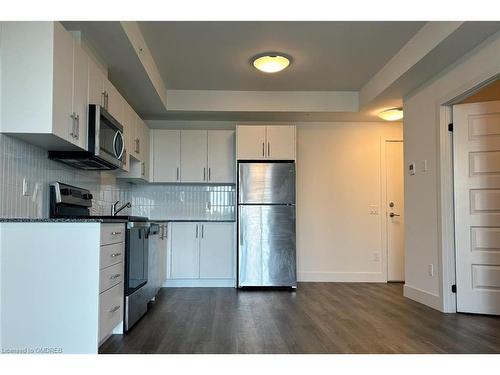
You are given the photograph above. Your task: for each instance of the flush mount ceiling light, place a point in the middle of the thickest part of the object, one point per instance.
(392, 114)
(270, 63)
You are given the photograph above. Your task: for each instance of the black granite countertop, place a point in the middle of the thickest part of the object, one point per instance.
(47, 220)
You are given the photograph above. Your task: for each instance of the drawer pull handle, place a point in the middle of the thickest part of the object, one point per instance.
(114, 309)
(115, 255)
(112, 277)
(115, 233)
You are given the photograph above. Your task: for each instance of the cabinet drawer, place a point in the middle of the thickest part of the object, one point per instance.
(110, 310)
(111, 254)
(112, 233)
(110, 276)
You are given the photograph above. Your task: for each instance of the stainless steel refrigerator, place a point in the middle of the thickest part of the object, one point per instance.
(266, 224)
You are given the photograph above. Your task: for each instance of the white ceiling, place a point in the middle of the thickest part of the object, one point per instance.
(327, 56)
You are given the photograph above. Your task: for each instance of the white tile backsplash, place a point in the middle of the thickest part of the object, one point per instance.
(19, 160)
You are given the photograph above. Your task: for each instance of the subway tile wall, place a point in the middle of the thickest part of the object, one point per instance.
(20, 160)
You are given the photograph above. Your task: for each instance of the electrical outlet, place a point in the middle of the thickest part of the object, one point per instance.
(376, 256)
(25, 187)
(373, 209)
(430, 269)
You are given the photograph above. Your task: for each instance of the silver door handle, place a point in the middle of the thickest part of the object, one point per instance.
(209, 173)
(177, 173)
(263, 148)
(202, 230)
(268, 149)
(392, 214)
(204, 174)
(196, 230)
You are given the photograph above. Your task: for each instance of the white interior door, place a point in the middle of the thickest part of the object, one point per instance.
(395, 210)
(476, 153)
(194, 156)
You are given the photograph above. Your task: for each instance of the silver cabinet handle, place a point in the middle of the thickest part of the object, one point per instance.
(114, 255)
(137, 146)
(392, 214)
(268, 149)
(196, 230)
(114, 309)
(209, 173)
(202, 230)
(124, 157)
(103, 99)
(73, 124)
(177, 173)
(115, 276)
(143, 169)
(263, 148)
(77, 126)
(204, 174)
(115, 233)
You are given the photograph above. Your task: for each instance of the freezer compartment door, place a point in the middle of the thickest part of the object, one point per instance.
(266, 183)
(266, 246)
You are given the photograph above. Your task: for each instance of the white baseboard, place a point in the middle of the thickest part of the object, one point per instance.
(348, 277)
(199, 283)
(423, 297)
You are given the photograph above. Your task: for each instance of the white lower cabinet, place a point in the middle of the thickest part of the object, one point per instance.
(111, 279)
(202, 254)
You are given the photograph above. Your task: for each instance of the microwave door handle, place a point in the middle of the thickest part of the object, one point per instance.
(118, 154)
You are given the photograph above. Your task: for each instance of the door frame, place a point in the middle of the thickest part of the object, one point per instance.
(384, 261)
(446, 194)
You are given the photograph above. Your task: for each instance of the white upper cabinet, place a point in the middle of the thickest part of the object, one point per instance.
(265, 142)
(280, 142)
(80, 93)
(44, 85)
(194, 156)
(166, 155)
(221, 156)
(96, 83)
(251, 142)
(114, 102)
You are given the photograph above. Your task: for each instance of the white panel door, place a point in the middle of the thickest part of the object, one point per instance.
(251, 142)
(221, 156)
(80, 93)
(476, 149)
(166, 155)
(194, 156)
(185, 250)
(63, 123)
(217, 251)
(280, 142)
(395, 210)
(96, 83)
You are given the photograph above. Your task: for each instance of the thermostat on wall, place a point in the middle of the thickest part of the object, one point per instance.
(411, 169)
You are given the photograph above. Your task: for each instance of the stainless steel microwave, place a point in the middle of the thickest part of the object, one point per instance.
(105, 143)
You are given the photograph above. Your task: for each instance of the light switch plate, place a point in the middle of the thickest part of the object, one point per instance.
(411, 169)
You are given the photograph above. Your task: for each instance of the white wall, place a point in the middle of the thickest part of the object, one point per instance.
(338, 178)
(425, 140)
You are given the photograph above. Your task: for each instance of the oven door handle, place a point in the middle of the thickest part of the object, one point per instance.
(118, 154)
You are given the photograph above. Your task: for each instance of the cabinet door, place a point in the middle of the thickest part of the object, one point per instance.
(185, 251)
(96, 83)
(115, 102)
(194, 156)
(217, 251)
(251, 142)
(166, 155)
(145, 150)
(221, 156)
(280, 142)
(80, 93)
(62, 109)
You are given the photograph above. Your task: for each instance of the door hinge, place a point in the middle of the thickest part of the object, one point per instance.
(454, 288)
(450, 127)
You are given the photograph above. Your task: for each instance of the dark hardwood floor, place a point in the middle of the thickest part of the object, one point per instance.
(317, 318)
